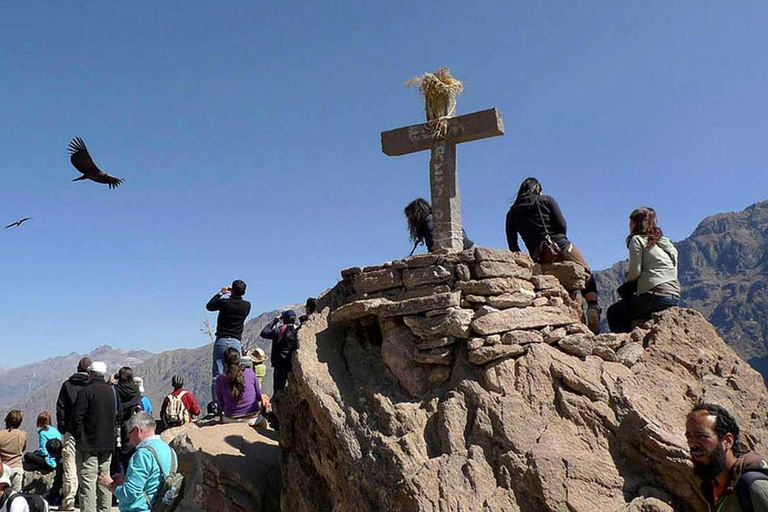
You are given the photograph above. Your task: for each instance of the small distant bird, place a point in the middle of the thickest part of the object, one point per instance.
(83, 162)
(18, 222)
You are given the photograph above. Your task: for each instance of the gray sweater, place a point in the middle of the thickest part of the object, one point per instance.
(652, 266)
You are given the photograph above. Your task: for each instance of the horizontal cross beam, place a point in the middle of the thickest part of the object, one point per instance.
(466, 128)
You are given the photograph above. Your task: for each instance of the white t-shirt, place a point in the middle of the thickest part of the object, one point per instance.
(17, 505)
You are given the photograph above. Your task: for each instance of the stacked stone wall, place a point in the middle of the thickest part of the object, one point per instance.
(491, 303)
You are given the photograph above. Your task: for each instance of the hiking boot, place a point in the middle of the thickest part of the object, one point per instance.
(593, 317)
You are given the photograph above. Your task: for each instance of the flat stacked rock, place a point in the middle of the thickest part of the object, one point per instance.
(492, 303)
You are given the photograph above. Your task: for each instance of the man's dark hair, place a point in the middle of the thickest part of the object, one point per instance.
(13, 419)
(125, 374)
(177, 382)
(724, 423)
(311, 305)
(238, 288)
(54, 448)
(83, 365)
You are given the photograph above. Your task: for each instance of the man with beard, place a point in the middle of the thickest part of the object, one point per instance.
(731, 480)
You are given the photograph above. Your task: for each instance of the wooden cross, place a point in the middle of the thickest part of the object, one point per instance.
(443, 168)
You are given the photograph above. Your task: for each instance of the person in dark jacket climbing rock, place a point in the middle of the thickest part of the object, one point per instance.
(284, 344)
(540, 223)
(419, 216)
(731, 480)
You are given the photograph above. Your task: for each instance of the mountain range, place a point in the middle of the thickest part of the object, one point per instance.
(723, 269)
(33, 388)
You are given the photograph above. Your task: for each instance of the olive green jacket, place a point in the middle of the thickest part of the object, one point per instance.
(729, 500)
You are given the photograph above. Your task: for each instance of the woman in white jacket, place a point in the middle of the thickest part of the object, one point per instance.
(653, 267)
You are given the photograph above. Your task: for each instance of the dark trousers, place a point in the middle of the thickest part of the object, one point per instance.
(640, 307)
(280, 379)
(36, 462)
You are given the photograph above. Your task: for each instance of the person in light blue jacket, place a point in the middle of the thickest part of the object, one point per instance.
(138, 489)
(41, 459)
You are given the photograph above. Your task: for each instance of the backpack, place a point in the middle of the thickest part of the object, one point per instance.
(35, 502)
(176, 412)
(171, 489)
(742, 488)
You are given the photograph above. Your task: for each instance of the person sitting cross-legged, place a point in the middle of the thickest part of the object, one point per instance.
(180, 406)
(40, 459)
(239, 393)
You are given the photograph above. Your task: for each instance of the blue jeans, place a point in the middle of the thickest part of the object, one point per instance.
(220, 347)
(640, 307)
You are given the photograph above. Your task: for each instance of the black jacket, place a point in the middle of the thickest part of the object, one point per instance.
(284, 343)
(523, 218)
(96, 409)
(232, 314)
(65, 404)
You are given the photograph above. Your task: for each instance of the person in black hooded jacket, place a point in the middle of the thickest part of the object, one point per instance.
(129, 396)
(65, 406)
(284, 344)
(533, 216)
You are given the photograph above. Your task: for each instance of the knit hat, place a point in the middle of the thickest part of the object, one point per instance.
(98, 367)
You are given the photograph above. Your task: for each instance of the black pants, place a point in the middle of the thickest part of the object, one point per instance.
(36, 462)
(280, 378)
(640, 307)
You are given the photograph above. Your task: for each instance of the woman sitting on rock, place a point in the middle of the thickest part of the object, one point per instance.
(419, 216)
(540, 223)
(40, 459)
(653, 269)
(238, 392)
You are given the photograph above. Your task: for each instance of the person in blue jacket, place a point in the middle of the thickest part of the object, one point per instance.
(153, 458)
(40, 459)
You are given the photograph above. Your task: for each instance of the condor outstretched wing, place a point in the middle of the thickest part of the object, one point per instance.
(83, 162)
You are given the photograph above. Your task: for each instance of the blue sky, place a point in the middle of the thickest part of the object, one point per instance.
(248, 136)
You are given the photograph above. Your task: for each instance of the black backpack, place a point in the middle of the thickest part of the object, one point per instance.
(742, 488)
(35, 502)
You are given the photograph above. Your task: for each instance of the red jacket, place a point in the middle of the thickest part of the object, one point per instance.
(189, 401)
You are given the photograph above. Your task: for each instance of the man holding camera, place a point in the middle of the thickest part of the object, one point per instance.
(233, 311)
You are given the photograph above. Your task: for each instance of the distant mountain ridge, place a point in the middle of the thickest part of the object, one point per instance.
(723, 270)
(34, 388)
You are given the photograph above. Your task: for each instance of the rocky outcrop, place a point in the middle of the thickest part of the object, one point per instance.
(227, 468)
(439, 412)
(723, 269)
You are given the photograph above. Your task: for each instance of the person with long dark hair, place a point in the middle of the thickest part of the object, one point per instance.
(418, 213)
(540, 223)
(238, 391)
(652, 270)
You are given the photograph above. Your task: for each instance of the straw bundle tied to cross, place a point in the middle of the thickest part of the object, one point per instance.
(439, 90)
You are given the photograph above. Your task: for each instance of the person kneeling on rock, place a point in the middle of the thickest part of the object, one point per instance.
(540, 223)
(238, 391)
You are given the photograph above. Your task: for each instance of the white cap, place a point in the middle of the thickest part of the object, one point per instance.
(140, 383)
(98, 367)
(6, 478)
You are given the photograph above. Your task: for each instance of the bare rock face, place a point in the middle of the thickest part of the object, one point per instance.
(533, 429)
(227, 468)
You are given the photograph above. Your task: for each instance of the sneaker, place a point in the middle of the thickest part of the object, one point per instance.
(593, 318)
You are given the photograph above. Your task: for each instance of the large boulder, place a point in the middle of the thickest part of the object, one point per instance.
(227, 468)
(538, 430)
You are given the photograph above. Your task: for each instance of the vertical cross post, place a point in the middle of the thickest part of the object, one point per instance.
(443, 167)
